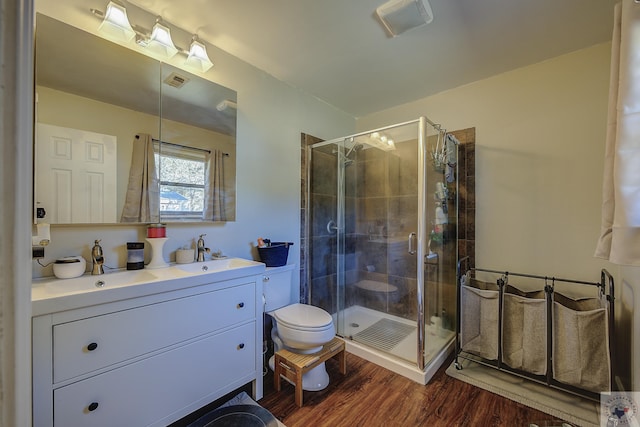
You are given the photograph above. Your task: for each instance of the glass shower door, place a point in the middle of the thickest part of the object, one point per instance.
(370, 241)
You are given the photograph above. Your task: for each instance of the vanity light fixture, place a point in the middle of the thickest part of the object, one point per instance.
(160, 41)
(115, 23)
(198, 57)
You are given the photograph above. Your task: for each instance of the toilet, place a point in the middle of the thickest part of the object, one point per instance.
(299, 328)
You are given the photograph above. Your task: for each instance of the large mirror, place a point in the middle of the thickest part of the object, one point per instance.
(97, 104)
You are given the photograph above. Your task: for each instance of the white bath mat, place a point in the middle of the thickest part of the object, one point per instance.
(385, 334)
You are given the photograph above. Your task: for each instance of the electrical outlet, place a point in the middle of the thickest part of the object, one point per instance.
(38, 252)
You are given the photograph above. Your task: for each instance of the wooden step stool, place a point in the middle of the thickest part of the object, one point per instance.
(292, 365)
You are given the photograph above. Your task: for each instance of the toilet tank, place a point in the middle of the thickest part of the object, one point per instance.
(278, 287)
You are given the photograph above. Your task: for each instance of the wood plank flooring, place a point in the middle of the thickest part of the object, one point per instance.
(372, 396)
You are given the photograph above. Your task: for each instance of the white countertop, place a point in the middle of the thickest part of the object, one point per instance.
(51, 295)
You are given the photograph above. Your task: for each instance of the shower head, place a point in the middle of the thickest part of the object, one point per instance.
(354, 147)
(346, 161)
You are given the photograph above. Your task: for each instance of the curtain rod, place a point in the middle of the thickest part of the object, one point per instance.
(186, 146)
(182, 146)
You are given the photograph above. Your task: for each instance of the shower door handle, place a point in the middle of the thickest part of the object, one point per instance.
(331, 226)
(411, 250)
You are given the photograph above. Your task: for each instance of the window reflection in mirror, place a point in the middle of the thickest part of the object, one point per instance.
(195, 138)
(182, 180)
(97, 96)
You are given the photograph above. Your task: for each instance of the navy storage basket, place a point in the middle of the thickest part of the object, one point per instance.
(276, 254)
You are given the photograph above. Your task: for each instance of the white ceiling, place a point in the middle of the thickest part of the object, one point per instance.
(337, 50)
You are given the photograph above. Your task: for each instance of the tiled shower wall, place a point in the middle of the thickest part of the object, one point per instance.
(320, 242)
(386, 203)
(467, 196)
(306, 140)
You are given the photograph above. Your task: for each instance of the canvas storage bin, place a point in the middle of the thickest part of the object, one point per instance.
(581, 342)
(479, 319)
(524, 332)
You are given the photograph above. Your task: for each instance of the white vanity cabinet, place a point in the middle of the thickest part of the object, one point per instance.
(150, 360)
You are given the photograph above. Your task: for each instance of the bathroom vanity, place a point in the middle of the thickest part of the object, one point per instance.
(148, 351)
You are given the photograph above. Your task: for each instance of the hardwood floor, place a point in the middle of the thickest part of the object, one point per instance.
(372, 396)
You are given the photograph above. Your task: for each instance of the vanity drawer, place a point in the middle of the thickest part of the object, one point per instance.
(151, 389)
(85, 345)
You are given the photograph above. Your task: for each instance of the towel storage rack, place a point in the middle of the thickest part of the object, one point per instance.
(555, 337)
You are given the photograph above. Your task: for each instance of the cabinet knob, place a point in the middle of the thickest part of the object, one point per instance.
(240, 305)
(93, 406)
(92, 347)
(265, 279)
(240, 346)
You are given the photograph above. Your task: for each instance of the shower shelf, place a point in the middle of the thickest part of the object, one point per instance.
(540, 334)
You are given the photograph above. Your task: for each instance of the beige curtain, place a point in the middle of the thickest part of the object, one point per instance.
(620, 230)
(214, 190)
(142, 202)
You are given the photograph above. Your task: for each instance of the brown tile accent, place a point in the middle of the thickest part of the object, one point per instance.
(467, 193)
(305, 141)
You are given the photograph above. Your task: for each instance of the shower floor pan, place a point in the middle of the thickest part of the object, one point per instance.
(384, 334)
(391, 342)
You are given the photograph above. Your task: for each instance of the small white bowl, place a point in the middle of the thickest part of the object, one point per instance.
(69, 267)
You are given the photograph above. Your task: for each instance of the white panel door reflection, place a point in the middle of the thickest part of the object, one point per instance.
(75, 175)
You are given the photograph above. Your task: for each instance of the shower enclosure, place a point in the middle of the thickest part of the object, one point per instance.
(382, 242)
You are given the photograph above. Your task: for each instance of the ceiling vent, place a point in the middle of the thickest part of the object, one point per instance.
(176, 80)
(399, 16)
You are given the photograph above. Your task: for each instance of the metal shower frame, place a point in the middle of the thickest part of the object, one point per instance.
(421, 235)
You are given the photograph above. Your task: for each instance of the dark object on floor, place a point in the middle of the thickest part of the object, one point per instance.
(237, 415)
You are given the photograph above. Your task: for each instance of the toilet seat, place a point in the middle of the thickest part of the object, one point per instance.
(303, 317)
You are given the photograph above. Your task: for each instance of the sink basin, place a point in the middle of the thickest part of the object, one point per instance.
(217, 265)
(89, 282)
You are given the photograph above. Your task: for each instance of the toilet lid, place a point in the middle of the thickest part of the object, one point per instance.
(303, 316)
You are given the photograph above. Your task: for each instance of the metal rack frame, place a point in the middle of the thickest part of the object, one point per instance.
(606, 281)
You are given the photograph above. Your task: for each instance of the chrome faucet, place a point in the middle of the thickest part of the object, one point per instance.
(97, 258)
(201, 249)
